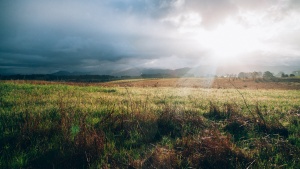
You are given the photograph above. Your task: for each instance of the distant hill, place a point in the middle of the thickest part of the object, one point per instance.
(128, 72)
(199, 71)
(66, 73)
(62, 73)
(145, 71)
(184, 72)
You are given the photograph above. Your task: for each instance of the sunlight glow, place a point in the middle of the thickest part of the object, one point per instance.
(229, 41)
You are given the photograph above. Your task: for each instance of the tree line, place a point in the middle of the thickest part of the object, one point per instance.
(265, 75)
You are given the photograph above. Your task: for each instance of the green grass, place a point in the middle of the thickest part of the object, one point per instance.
(61, 126)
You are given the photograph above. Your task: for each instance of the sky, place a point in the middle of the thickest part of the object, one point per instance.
(40, 36)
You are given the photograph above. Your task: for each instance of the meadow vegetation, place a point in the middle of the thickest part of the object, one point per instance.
(76, 126)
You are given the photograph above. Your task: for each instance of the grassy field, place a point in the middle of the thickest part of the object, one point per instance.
(156, 123)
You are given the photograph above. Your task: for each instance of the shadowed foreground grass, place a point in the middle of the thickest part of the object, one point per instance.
(61, 126)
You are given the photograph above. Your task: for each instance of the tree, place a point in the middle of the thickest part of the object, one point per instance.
(292, 75)
(241, 75)
(268, 75)
(284, 75)
(255, 75)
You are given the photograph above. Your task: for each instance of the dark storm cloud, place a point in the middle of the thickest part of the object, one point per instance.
(101, 35)
(67, 31)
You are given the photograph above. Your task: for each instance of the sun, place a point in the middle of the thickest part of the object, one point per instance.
(229, 41)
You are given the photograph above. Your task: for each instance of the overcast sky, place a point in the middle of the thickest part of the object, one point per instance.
(39, 36)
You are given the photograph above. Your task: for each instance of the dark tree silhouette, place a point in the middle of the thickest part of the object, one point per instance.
(268, 75)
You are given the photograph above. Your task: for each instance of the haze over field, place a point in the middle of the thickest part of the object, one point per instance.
(111, 36)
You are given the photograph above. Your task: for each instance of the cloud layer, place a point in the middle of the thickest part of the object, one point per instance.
(105, 36)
